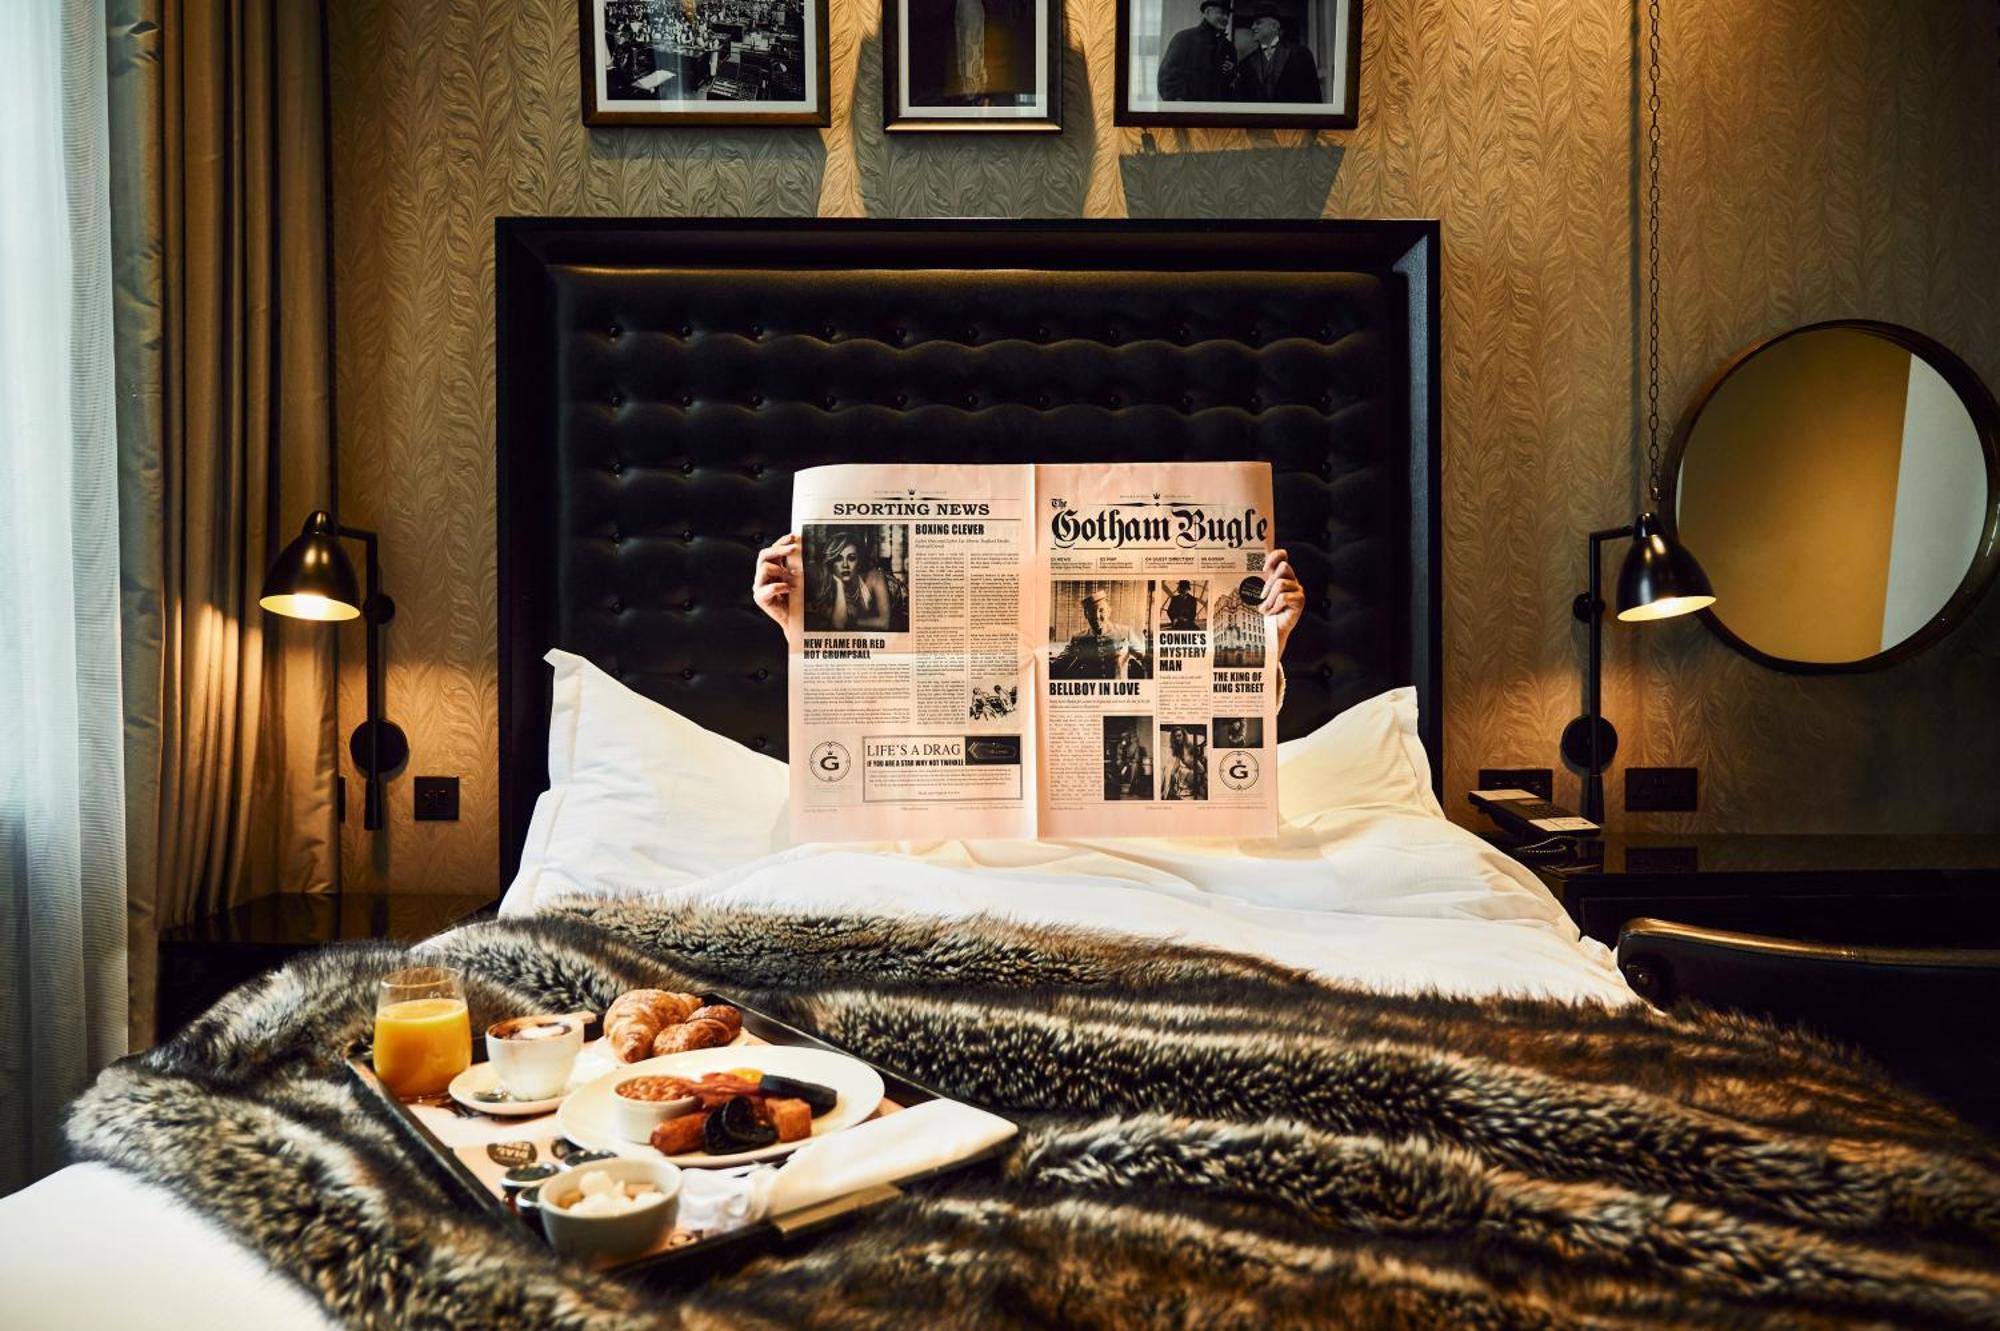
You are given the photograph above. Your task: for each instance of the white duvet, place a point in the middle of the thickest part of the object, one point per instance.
(1383, 898)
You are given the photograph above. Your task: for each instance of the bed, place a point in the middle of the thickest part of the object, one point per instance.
(658, 384)
(661, 382)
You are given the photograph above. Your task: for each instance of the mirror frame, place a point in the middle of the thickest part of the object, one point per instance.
(1985, 412)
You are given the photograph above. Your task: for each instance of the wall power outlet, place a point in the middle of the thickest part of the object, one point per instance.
(437, 799)
(1540, 780)
(1661, 790)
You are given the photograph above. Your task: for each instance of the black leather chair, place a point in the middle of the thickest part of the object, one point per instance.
(1930, 1015)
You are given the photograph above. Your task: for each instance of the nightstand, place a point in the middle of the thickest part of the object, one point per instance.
(201, 962)
(1889, 943)
(1879, 891)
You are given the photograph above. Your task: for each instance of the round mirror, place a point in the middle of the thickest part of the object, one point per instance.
(1840, 483)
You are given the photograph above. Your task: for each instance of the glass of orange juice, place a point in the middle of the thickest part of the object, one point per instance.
(423, 1036)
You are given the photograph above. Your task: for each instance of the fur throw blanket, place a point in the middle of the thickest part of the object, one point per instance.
(1209, 1141)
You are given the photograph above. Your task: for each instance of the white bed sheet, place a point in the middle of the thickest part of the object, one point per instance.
(92, 1247)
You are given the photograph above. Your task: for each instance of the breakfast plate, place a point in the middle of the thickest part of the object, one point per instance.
(589, 1116)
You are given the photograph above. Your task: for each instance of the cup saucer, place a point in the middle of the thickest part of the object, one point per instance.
(478, 1087)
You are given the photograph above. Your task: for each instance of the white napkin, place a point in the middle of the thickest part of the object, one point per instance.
(895, 1146)
(714, 1201)
(883, 1150)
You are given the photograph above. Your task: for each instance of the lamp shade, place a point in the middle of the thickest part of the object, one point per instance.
(312, 578)
(1659, 578)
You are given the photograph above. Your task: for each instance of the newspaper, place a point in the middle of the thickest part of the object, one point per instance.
(1024, 651)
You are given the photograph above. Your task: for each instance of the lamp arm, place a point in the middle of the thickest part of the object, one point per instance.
(376, 610)
(1589, 608)
(1591, 611)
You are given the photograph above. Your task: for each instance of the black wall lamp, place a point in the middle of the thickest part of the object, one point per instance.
(312, 579)
(1659, 578)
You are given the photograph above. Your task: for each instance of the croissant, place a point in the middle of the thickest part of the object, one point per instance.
(722, 1012)
(634, 1019)
(680, 1038)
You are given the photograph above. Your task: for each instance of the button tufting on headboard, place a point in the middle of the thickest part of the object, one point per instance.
(1307, 345)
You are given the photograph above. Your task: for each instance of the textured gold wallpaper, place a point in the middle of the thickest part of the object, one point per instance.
(1825, 158)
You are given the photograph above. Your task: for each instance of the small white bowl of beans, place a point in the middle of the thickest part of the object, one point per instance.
(643, 1103)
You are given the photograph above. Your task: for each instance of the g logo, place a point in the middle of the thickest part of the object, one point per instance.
(829, 761)
(1238, 769)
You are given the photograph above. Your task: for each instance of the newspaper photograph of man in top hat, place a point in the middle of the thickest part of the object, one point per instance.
(1200, 63)
(1276, 63)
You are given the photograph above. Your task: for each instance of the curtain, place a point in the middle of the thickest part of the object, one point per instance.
(62, 838)
(219, 201)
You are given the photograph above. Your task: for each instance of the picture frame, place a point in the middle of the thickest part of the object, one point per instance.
(1006, 76)
(1209, 63)
(704, 62)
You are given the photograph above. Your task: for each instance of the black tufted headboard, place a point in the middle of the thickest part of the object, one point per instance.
(660, 381)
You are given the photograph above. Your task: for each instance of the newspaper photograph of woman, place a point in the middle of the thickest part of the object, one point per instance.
(1098, 629)
(1184, 774)
(857, 577)
(1128, 763)
(1239, 732)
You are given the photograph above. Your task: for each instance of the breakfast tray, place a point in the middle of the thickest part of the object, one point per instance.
(460, 1167)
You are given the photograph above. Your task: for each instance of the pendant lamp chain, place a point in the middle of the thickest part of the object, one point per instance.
(1653, 255)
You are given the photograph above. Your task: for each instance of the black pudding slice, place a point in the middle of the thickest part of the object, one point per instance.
(821, 1098)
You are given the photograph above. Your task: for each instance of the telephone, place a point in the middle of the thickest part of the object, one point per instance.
(1534, 819)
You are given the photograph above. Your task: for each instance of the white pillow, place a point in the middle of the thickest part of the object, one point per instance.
(1369, 756)
(641, 799)
(648, 802)
(639, 794)
(564, 707)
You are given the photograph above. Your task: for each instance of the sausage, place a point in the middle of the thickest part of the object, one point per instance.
(681, 1135)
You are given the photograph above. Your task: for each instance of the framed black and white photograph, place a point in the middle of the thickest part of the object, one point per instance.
(972, 65)
(704, 62)
(1277, 63)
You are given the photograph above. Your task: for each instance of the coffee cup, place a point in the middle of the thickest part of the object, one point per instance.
(533, 1055)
